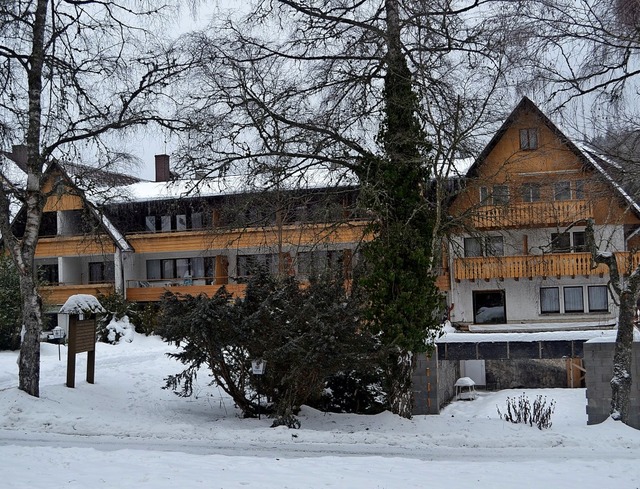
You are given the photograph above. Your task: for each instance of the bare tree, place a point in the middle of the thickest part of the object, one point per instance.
(368, 88)
(73, 72)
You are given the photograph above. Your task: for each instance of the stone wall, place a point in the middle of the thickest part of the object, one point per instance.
(598, 361)
(433, 383)
(532, 374)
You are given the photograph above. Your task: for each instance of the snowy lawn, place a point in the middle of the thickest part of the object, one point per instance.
(126, 432)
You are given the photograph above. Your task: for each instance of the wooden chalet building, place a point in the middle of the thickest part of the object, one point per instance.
(518, 255)
(189, 236)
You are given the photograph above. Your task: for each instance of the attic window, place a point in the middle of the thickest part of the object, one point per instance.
(529, 138)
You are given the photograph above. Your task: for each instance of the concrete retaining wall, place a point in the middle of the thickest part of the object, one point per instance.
(433, 383)
(598, 361)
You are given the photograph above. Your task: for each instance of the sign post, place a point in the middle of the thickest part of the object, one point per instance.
(257, 367)
(82, 334)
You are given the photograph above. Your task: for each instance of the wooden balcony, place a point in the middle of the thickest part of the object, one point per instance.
(531, 214)
(530, 266)
(292, 235)
(153, 293)
(58, 294)
(74, 246)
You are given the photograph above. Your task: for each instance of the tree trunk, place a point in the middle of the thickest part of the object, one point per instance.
(621, 380)
(400, 379)
(29, 361)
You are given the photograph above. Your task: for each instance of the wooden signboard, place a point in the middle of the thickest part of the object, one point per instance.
(82, 338)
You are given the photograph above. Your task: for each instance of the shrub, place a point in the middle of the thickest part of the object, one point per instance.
(520, 410)
(354, 391)
(10, 305)
(119, 320)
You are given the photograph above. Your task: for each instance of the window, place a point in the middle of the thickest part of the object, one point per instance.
(489, 307)
(567, 242)
(150, 223)
(500, 195)
(196, 220)
(528, 139)
(560, 242)
(494, 246)
(154, 270)
(530, 192)
(549, 300)
(178, 268)
(249, 264)
(562, 191)
(484, 195)
(488, 246)
(573, 300)
(181, 222)
(101, 272)
(49, 224)
(48, 273)
(168, 268)
(315, 262)
(598, 298)
(579, 189)
(472, 247)
(165, 223)
(579, 241)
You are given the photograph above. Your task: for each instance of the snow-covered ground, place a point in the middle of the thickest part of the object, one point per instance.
(124, 431)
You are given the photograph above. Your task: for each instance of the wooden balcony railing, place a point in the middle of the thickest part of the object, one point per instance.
(58, 294)
(351, 232)
(530, 266)
(154, 293)
(531, 214)
(74, 246)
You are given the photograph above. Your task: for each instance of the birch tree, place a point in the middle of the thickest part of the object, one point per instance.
(72, 73)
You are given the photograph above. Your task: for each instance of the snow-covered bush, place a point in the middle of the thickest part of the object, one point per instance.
(520, 410)
(119, 320)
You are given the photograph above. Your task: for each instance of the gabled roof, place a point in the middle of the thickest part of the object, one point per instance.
(612, 173)
(15, 174)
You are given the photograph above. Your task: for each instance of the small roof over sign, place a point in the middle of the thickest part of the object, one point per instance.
(81, 304)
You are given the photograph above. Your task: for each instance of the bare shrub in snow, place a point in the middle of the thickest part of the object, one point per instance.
(520, 410)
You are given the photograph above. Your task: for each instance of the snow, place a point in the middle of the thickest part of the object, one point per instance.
(308, 178)
(125, 431)
(81, 303)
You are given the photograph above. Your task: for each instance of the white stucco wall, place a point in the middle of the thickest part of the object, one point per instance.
(522, 297)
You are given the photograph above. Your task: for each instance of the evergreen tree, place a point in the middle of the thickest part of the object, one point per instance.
(10, 305)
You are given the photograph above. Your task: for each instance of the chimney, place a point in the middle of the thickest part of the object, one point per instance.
(19, 155)
(162, 168)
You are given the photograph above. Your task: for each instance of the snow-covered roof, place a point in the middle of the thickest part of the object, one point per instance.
(217, 186)
(81, 304)
(595, 159)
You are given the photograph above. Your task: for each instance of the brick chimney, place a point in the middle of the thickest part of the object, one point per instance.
(162, 168)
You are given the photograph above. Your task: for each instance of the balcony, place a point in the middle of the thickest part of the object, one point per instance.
(152, 290)
(74, 246)
(530, 266)
(58, 294)
(531, 214)
(351, 232)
